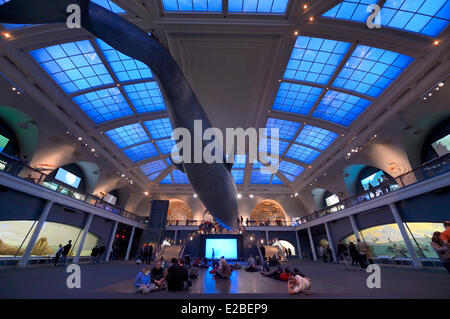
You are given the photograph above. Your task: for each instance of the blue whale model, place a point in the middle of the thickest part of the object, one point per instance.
(213, 183)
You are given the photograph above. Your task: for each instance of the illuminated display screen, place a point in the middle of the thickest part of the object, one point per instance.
(221, 247)
(331, 200)
(372, 180)
(441, 146)
(3, 142)
(68, 178)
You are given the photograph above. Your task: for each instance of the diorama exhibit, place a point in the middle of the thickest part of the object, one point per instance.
(186, 150)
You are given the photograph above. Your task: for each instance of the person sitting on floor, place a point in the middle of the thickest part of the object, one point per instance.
(158, 275)
(285, 275)
(273, 274)
(224, 271)
(236, 266)
(143, 283)
(299, 284)
(251, 268)
(177, 276)
(251, 260)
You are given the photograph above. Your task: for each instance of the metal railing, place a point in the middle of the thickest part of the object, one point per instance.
(245, 223)
(424, 172)
(15, 167)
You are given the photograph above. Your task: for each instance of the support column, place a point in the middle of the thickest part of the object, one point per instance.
(87, 224)
(175, 237)
(311, 242)
(111, 242)
(401, 227)
(355, 228)
(299, 248)
(130, 243)
(267, 237)
(27, 253)
(331, 242)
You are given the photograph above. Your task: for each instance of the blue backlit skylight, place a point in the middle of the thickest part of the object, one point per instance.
(146, 97)
(428, 17)
(192, 5)
(289, 177)
(74, 66)
(152, 177)
(111, 6)
(290, 168)
(103, 105)
(258, 6)
(354, 10)
(167, 179)
(166, 145)
(302, 153)
(10, 26)
(370, 70)
(276, 180)
(179, 177)
(238, 175)
(316, 137)
(141, 152)
(153, 167)
(160, 128)
(315, 60)
(266, 145)
(128, 135)
(296, 98)
(125, 68)
(340, 108)
(287, 129)
(239, 161)
(258, 177)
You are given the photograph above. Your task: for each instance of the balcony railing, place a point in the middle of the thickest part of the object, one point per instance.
(13, 166)
(424, 172)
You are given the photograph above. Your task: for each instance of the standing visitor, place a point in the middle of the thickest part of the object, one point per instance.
(343, 254)
(58, 254)
(445, 235)
(65, 252)
(101, 252)
(442, 250)
(362, 248)
(94, 254)
(354, 255)
(330, 254)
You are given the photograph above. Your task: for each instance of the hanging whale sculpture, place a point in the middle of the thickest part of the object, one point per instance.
(213, 183)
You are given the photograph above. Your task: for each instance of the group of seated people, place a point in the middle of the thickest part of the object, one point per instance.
(175, 278)
(222, 270)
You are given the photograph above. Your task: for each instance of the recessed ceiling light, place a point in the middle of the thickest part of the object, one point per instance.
(436, 42)
(92, 150)
(305, 6)
(296, 33)
(311, 18)
(7, 35)
(441, 84)
(80, 138)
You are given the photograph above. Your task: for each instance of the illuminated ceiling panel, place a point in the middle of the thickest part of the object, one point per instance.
(103, 105)
(124, 67)
(276, 180)
(340, 108)
(302, 153)
(192, 5)
(167, 179)
(141, 152)
(370, 70)
(111, 6)
(266, 145)
(258, 6)
(427, 17)
(290, 168)
(354, 10)
(238, 175)
(74, 66)
(146, 97)
(166, 145)
(128, 135)
(160, 128)
(296, 98)
(289, 177)
(179, 177)
(258, 177)
(153, 167)
(315, 60)
(239, 161)
(287, 129)
(316, 137)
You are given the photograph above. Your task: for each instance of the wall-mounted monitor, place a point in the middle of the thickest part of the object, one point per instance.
(331, 200)
(67, 178)
(221, 247)
(3, 142)
(110, 199)
(442, 146)
(372, 180)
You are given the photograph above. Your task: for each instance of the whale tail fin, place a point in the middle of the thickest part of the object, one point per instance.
(39, 11)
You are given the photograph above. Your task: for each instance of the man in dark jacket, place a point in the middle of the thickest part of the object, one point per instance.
(101, 251)
(65, 252)
(177, 276)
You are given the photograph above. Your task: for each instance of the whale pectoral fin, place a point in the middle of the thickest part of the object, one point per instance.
(178, 166)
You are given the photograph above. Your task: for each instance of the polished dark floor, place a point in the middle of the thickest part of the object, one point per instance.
(115, 280)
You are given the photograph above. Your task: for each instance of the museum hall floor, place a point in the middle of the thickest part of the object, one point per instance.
(115, 280)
